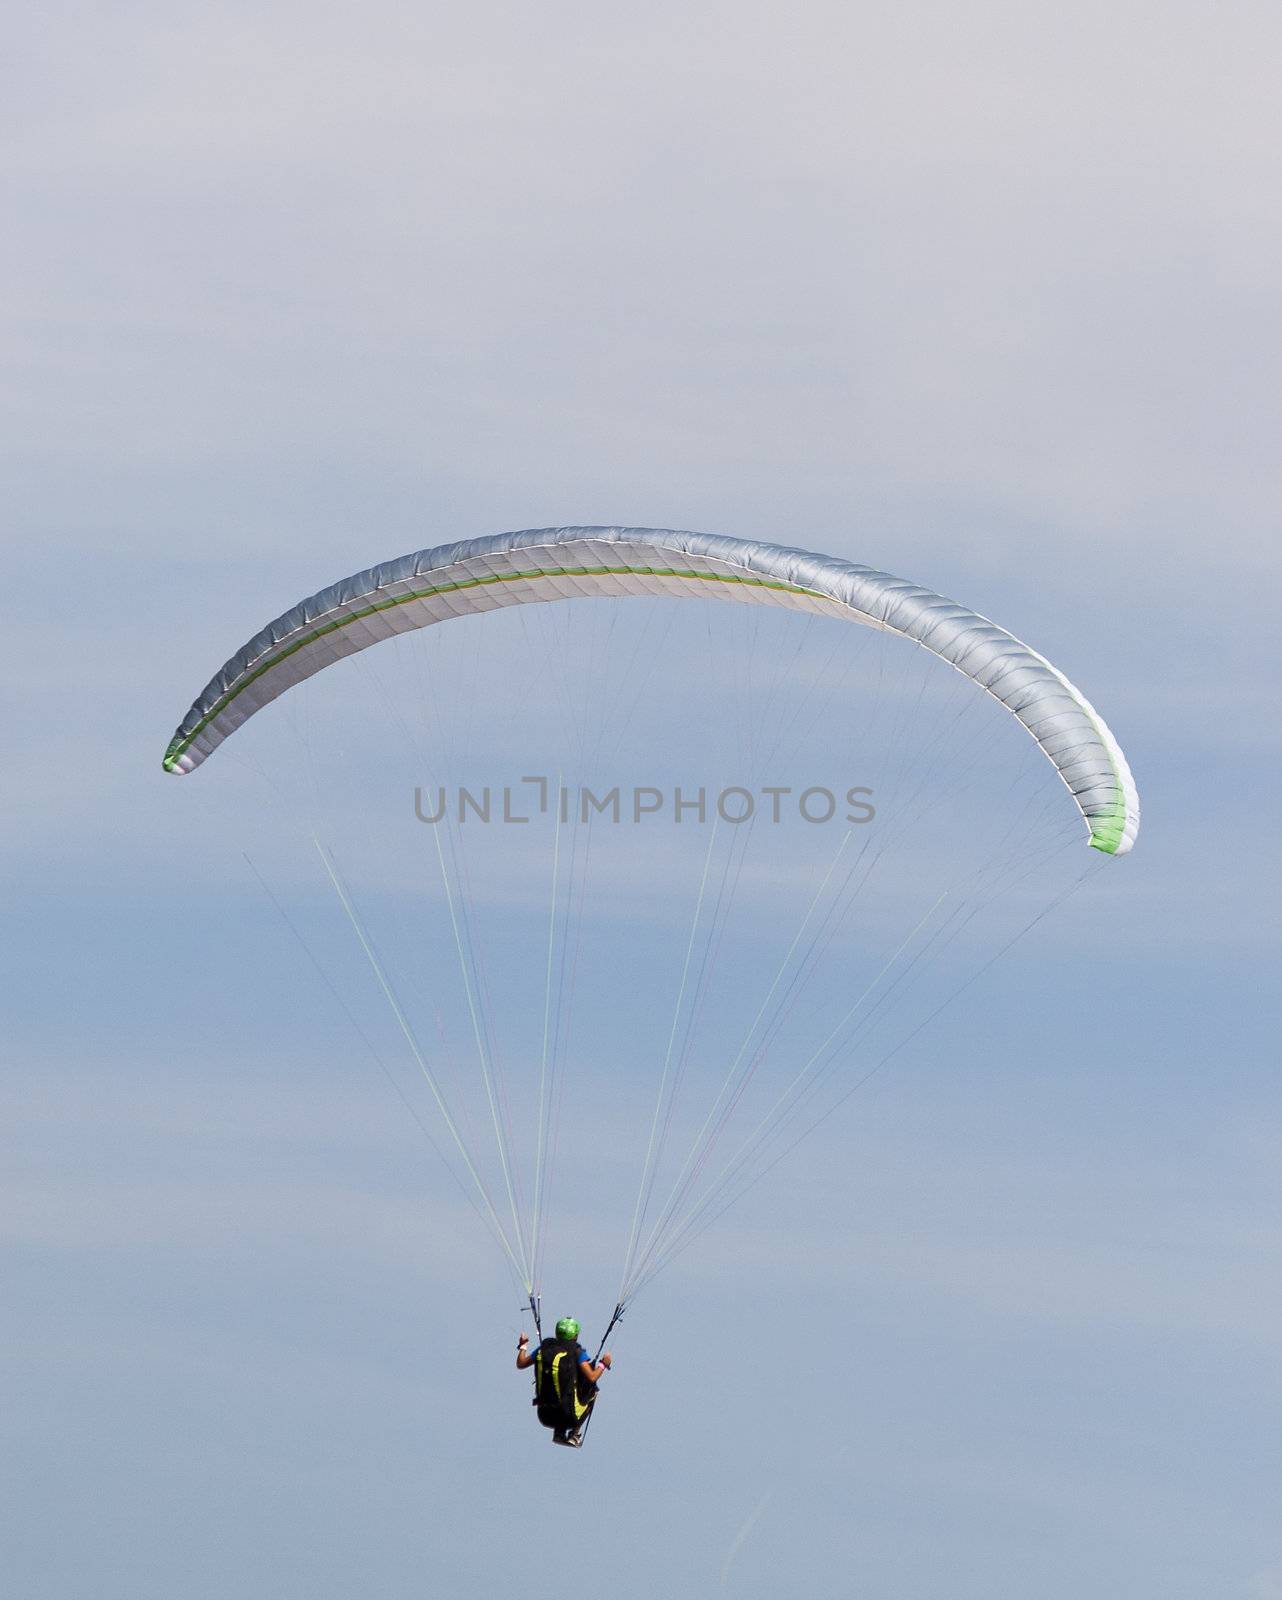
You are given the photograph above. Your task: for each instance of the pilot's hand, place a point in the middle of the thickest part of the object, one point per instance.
(606, 1362)
(524, 1339)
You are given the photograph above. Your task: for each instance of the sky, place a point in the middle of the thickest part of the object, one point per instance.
(985, 296)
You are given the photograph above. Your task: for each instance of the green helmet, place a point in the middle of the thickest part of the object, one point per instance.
(567, 1328)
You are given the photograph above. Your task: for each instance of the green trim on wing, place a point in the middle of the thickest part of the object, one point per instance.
(1106, 834)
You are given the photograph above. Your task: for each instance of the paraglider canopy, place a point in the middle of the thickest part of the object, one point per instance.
(545, 564)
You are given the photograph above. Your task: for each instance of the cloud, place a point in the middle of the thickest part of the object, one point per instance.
(667, 262)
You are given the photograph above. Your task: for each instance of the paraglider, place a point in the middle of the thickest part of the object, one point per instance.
(843, 1011)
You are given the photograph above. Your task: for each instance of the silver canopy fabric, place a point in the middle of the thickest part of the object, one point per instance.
(543, 564)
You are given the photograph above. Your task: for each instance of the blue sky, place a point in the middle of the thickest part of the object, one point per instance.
(985, 298)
